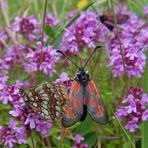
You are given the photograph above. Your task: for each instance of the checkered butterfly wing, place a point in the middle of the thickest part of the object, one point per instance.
(50, 101)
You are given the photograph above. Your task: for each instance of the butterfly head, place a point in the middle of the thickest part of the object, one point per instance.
(82, 76)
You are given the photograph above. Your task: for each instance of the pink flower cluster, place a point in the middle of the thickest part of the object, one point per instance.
(134, 39)
(78, 138)
(133, 111)
(43, 59)
(86, 31)
(27, 57)
(30, 55)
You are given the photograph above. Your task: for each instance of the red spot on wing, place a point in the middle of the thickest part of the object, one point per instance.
(120, 17)
(108, 23)
(92, 88)
(84, 100)
(108, 16)
(70, 112)
(100, 110)
(108, 20)
(75, 88)
(76, 103)
(71, 98)
(93, 102)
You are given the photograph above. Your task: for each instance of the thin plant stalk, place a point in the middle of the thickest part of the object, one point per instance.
(43, 23)
(120, 44)
(126, 134)
(11, 34)
(32, 140)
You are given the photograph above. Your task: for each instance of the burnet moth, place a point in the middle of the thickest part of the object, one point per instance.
(84, 98)
(108, 20)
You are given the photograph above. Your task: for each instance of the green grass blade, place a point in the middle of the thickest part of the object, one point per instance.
(45, 8)
(126, 134)
(73, 20)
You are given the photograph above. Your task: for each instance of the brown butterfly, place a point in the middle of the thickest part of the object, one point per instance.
(50, 101)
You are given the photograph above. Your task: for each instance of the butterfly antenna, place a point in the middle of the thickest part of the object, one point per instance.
(68, 58)
(91, 56)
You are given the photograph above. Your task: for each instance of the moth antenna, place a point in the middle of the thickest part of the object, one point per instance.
(68, 58)
(91, 55)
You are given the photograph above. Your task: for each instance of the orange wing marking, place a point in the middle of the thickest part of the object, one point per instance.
(76, 103)
(107, 22)
(93, 102)
(71, 98)
(70, 112)
(84, 100)
(108, 15)
(75, 88)
(100, 110)
(92, 88)
(120, 17)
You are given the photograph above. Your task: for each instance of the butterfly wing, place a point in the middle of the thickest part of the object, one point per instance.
(122, 18)
(108, 20)
(95, 106)
(75, 110)
(49, 101)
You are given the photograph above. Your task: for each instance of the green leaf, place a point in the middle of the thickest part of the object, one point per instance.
(66, 143)
(48, 30)
(39, 77)
(85, 126)
(29, 142)
(53, 131)
(90, 139)
(56, 141)
(124, 131)
(57, 41)
(23, 146)
(126, 145)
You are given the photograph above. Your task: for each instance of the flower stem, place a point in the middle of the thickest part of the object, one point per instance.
(43, 23)
(48, 142)
(11, 34)
(32, 140)
(126, 134)
(120, 44)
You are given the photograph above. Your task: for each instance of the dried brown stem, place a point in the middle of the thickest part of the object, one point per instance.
(48, 142)
(11, 34)
(6, 19)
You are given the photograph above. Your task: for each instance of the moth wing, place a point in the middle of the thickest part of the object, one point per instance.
(122, 18)
(95, 105)
(63, 100)
(109, 25)
(108, 21)
(75, 110)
